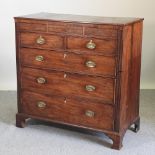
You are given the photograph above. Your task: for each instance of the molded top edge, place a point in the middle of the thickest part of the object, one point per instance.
(81, 18)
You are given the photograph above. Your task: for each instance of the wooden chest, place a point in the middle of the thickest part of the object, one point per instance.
(79, 71)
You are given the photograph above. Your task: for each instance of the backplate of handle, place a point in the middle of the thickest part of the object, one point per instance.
(90, 64)
(91, 45)
(40, 40)
(41, 104)
(90, 88)
(39, 58)
(89, 113)
(41, 80)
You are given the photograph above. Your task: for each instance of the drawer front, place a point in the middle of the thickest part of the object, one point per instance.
(65, 28)
(32, 27)
(43, 41)
(101, 32)
(53, 82)
(87, 64)
(98, 46)
(77, 112)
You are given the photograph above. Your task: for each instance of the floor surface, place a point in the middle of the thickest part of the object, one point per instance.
(39, 138)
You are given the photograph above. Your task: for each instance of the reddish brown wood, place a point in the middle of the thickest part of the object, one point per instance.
(101, 32)
(65, 28)
(79, 19)
(125, 77)
(20, 121)
(116, 77)
(136, 67)
(51, 41)
(69, 110)
(36, 27)
(71, 85)
(67, 61)
(117, 140)
(107, 46)
(130, 76)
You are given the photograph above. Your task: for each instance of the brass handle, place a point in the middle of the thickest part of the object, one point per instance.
(90, 88)
(40, 40)
(90, 64)
(41, 104)
(41, 80)
(91, 45)
(39, 58)
(90, 113)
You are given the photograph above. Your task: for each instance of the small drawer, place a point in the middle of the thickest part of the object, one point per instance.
(77, 63)
(68, 110)
(65, 28)
(43, 41)
(54, 82)
(32, 27)
(97, 46)
(74, 29)
(56, 27)
(100, 32)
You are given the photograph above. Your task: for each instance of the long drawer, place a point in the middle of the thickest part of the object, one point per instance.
(78, 63)
(76, 112)
(66, 84)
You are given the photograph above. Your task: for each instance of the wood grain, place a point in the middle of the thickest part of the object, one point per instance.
(107, 46)
(121, 21)
(70, 111)
(51, 41)
(114, 102)
(70, 62)
(34, 27)
(72, 85)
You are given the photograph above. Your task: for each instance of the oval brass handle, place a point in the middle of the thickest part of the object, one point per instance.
(41, 104)
(90, 113)
(90, 88)
(90, 64)
(40, 40)
(91, 45)
(41, 80)
(39, 58)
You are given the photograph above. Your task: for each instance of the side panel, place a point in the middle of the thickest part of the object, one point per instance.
(125, 77)
(130, 75)
(135, 69)
(18, 68)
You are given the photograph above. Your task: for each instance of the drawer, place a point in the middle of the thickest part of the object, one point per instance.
(32, 27)
(65, 28)
(43, 41)
(72, 111)
(78, 63)
(100, 32)
(98, 46)
(54, 82)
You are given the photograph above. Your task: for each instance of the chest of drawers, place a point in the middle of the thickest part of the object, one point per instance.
(79, 71)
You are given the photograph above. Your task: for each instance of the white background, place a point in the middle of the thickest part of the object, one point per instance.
(126, 8)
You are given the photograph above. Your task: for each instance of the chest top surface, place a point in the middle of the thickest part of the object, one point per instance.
(81, 18)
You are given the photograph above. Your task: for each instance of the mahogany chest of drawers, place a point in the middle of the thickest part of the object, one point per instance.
(79, 71)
